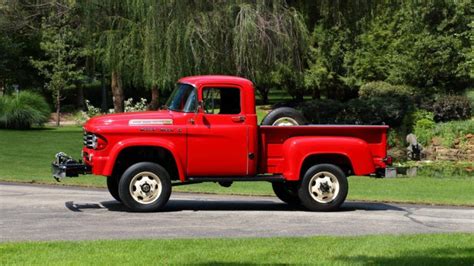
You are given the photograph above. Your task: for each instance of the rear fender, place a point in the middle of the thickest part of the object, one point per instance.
(297, 149)
(150, 142)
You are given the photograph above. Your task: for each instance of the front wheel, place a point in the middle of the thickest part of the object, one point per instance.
(145, 186)
(113, 187)
(324, 188)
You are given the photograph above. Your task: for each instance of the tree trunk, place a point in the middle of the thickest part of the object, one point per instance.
(298, 97)
(80, 97)
(117, 92)
(2, 88)
(316, 94)
(103, 104)
(264, 94)
(155, 94)
(58, 108)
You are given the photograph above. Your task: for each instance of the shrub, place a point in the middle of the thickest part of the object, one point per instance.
(322, 111)
(452, 108)
(129, 106)
(372, 111)
(450, 131)
(384, 89)
(375, 111)
(423, 130)
(24, 110)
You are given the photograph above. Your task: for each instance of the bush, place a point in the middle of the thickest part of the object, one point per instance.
(322, 111)
(376, 111)
(23, 111)
(384, 89)
(371, 111)
(448, 132)
(452, 108)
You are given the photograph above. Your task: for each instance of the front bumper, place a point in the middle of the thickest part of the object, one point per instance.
(65, 166)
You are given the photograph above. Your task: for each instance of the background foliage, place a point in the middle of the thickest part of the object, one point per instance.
(362, 62)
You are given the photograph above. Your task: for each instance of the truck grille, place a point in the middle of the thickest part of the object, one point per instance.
(89, 140)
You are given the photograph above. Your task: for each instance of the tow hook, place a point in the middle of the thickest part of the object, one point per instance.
(65, 166)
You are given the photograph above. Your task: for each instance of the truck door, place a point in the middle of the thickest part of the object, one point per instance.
(217, 138)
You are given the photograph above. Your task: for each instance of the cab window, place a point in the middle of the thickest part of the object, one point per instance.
(221, 100)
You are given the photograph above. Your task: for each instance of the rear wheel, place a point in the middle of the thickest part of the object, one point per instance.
(113, 186)
(287, 192)
(145, 187)
(324, 188)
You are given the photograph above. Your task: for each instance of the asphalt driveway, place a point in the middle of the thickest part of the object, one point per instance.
(33, 212)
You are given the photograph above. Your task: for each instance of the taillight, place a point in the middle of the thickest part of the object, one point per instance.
(388, 160)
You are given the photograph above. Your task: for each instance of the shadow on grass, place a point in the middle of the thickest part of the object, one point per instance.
(438, 256)
(176, 205)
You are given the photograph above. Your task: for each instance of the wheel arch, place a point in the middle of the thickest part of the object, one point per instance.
(340, 160)
(352, 155)
(127, 153)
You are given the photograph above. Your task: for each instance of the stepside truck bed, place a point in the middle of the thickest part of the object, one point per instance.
(275, 143)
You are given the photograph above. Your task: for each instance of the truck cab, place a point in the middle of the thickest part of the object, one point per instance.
(208, 132)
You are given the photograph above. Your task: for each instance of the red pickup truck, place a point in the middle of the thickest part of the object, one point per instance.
(208, 132)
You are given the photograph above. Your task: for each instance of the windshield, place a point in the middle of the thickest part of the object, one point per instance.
(183, 99)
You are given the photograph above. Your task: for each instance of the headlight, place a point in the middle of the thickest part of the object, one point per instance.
(94, 141)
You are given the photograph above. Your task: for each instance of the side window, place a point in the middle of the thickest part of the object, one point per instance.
(221, 100)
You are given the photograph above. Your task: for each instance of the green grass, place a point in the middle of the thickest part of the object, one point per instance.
(26, 156)
(434, 249)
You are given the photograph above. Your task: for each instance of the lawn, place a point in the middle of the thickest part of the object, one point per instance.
(434, 249)
(25, 156)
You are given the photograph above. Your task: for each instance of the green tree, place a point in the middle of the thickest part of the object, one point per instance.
(61, 54)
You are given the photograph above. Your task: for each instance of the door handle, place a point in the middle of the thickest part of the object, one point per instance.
(238, 119)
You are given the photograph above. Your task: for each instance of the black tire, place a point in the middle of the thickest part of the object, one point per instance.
(113, 186)
(281, 113)
(287, 192)
(148, 174)
(312, 201)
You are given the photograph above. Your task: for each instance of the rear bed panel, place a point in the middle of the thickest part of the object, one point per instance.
(272, 139)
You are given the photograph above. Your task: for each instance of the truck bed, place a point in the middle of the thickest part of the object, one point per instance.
(272, 138)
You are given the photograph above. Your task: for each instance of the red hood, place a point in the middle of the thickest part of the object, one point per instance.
(103, 122)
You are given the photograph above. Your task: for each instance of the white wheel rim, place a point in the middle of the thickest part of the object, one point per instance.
(323, 187)
(145, 187)
(285, 121)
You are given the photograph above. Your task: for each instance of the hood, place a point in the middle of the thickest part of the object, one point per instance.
(150, 118)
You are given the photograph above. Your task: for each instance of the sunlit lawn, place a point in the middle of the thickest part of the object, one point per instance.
(439, 249)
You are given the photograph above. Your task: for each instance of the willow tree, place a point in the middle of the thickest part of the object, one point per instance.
(141, 43)
(166, 54)
(153, 43)
(259, 40)
(115, 36)
(269, 39)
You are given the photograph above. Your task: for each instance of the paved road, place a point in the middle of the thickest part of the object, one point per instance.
(29, 212)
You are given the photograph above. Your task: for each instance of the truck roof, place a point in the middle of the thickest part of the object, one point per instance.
(205, 79)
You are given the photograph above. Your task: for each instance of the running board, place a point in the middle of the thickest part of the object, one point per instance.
(269, 178)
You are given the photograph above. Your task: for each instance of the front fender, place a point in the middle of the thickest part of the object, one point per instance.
(143, 141)
(297, 149)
